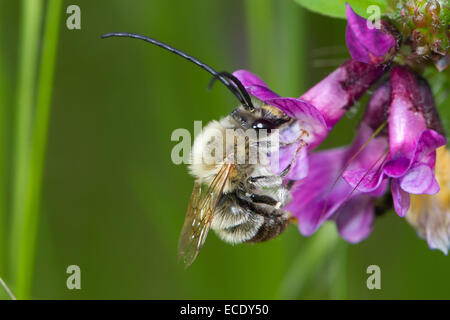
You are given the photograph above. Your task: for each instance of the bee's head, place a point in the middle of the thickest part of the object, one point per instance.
(261, 117)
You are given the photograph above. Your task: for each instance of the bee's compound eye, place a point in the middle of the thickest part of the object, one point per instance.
(263, 124)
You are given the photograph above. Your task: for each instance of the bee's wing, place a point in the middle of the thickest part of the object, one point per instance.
(203, 203)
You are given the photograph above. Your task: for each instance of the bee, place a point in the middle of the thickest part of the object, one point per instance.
(241, 201)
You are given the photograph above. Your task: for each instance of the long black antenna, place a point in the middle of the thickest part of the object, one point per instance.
(236, 81)
(242, 95)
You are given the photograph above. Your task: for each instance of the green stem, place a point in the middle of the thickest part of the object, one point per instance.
(28, 49)
(39, 144)
(308, 261)
(260, 19)
(291, 49)
(4, 138)
(277, 43)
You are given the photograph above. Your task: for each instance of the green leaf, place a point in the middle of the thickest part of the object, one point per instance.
(336, 8)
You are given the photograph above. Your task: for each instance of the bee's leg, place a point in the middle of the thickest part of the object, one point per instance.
(262, 208)
(278, 200)
(303, 134)
(251, 200)
(257, 198)
(245, 197)
(278, 196)
(271, 181)
(291, 164)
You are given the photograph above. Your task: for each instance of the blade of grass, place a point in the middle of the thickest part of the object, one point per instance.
(260, 19)
(310, 258)
(31, 12)
(4, 161)
(7, 290)
(277, 43)
(39, 144)
(291, 49)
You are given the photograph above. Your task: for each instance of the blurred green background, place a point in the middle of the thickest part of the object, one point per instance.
(112, 201)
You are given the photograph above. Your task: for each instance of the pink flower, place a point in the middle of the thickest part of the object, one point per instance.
(414, 135)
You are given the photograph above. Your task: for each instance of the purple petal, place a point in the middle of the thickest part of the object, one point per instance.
(355, 219)
(335, 94)
(365, 168)
(249, 79)
(406, 123)
(299, 169)
(308, 117)
(365, 44)
(316, 198)
(285, 155)
(429, 108)
(424, 152)
(428, 142)
(368, 151)
(419, 180)
(261, 93)
(400, 197)
(355, 47)
(397, 166)
(291, 133)
(381, 190)
(367, 148)
(254, 85)
(376, 111)
(364, 180)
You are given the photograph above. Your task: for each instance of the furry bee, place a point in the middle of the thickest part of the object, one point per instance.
(241, 201)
